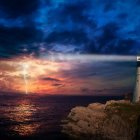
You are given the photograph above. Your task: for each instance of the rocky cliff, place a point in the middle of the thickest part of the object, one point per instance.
(115, 120)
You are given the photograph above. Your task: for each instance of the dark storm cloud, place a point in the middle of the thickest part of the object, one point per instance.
(108, 6)
(85, 90)
(87, 26)
(18, 8)
(102, 30)
(77, 12)
(18, 31)
(13, 40)
(66, 37)
(50, 79)
(57, 85)
(110, 41)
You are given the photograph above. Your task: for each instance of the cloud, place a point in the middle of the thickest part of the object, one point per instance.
(13, 41)
(67, 37)
(100, 30)
(85, 90)
(50, 79)
(15, 8)
(89, 27)
(57, 85)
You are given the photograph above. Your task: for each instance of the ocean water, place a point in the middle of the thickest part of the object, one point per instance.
(38, 117)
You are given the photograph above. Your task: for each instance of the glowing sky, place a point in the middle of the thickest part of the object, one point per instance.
(32, 30)
(83, 74)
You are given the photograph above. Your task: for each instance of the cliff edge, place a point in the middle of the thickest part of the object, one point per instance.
(115, 120)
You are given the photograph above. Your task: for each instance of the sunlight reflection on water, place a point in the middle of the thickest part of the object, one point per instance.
(22, 114)
(38, 116)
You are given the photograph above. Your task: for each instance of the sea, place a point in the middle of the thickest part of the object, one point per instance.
(36, 117)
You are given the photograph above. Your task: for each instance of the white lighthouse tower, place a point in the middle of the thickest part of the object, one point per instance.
(136, 96)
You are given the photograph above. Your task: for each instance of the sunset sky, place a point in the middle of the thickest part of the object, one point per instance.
(66, 74)
(80, 47)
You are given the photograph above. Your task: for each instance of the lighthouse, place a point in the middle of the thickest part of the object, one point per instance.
(136, 96)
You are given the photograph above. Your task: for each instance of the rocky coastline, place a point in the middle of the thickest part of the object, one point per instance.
(115, 120)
